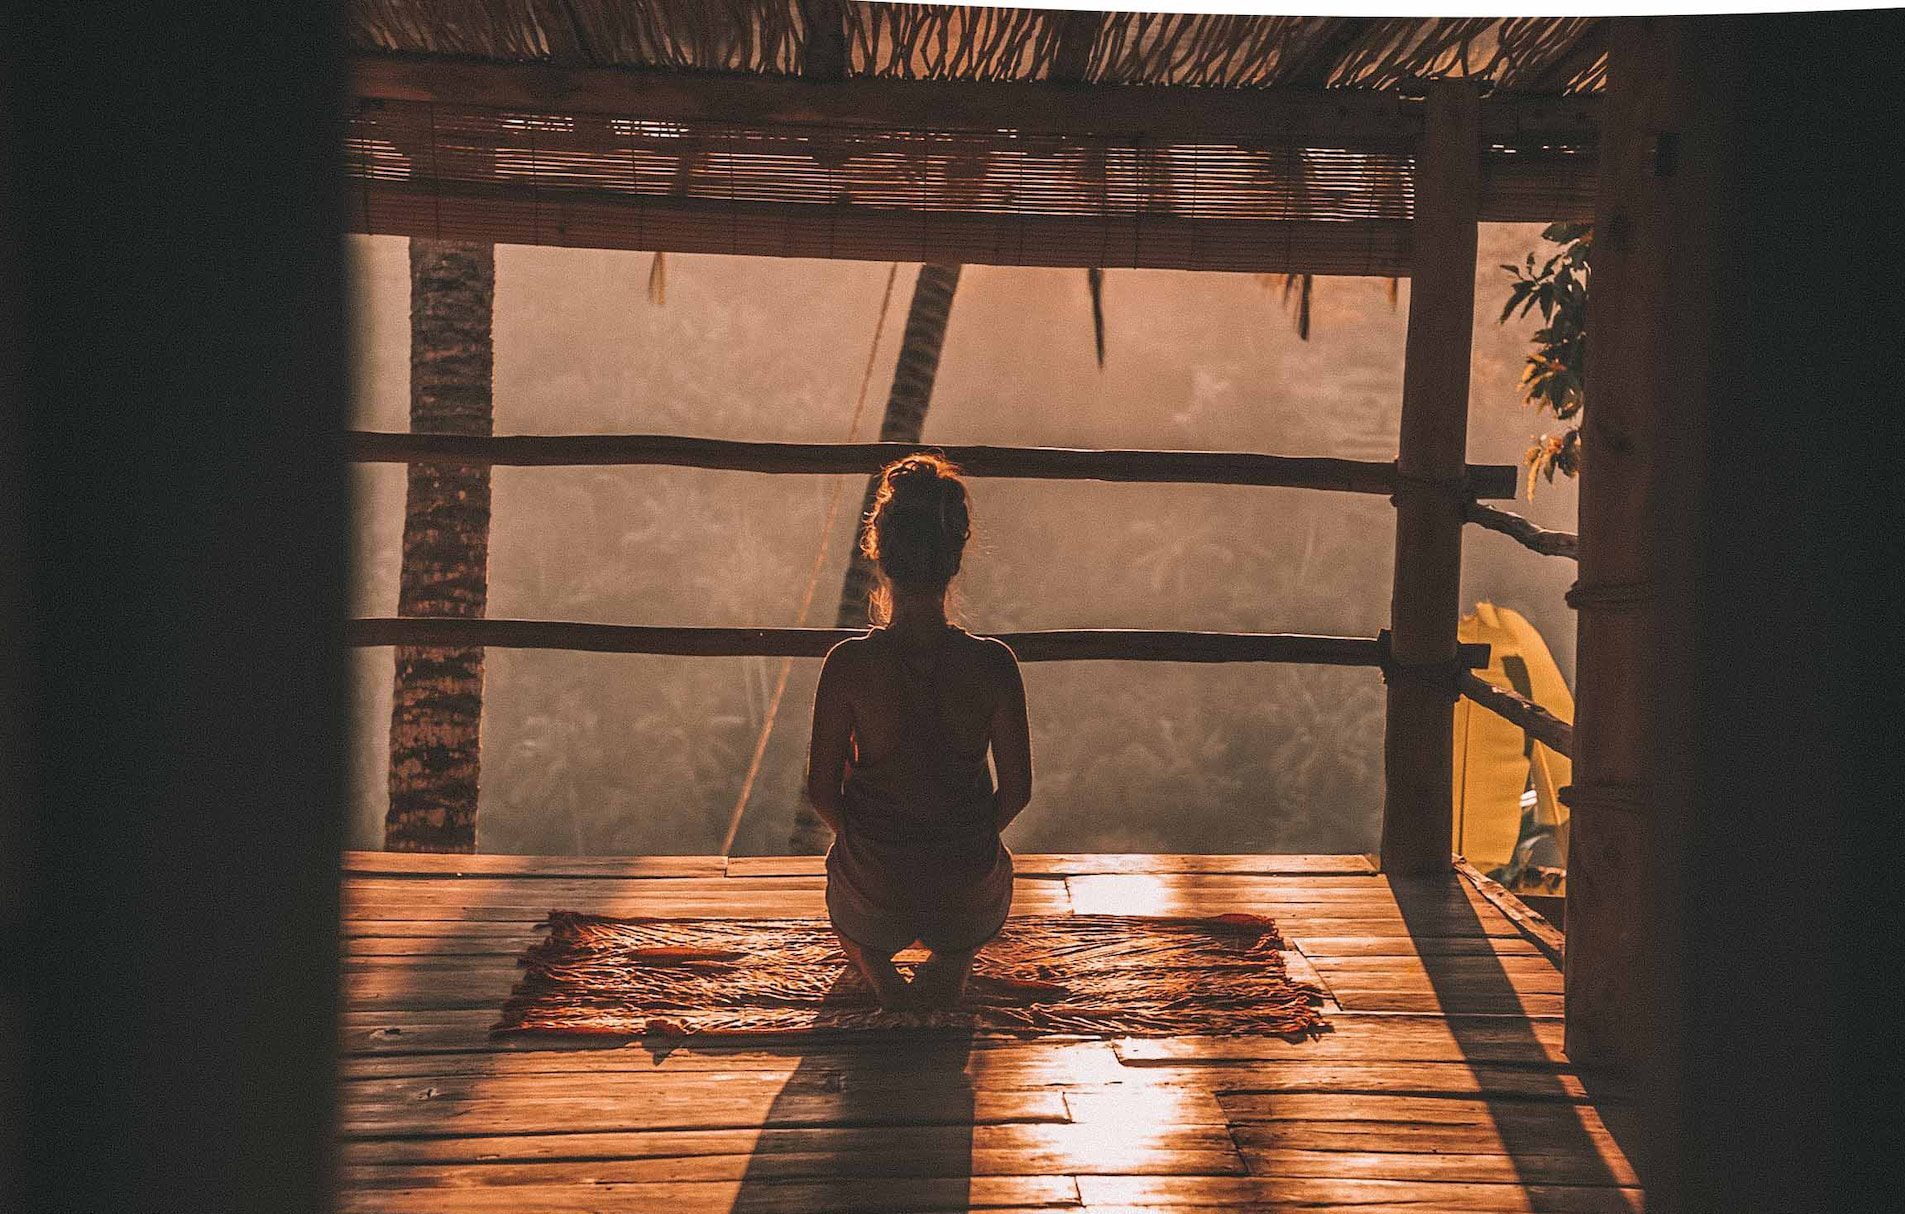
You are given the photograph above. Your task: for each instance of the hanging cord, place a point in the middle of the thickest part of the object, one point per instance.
(813, 575)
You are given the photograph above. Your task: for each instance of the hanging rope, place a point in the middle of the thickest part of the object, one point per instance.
(813, 575)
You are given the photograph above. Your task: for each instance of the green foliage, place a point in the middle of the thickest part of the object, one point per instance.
(1552, 378)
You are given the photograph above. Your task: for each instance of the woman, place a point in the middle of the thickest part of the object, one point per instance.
(903, 719)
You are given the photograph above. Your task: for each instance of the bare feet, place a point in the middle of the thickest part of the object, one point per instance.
(889, 988)
(940, 981)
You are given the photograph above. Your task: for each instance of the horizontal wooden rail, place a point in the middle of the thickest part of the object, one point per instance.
(1070, 645)
(1527, 534)
(1540, 724)
(1050, 463)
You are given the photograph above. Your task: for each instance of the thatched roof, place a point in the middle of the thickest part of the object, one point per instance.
(934, 132)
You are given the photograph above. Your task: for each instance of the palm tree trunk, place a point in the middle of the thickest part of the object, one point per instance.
(905, 422)
(436, 708)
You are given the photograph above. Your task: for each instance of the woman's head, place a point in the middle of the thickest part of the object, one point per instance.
(918, 529)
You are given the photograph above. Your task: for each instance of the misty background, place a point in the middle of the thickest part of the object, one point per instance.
(630, 754)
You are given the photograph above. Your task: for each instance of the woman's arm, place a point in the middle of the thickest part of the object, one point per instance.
(1011, 746)
(832, 741)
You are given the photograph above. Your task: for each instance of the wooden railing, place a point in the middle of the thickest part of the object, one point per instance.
(1047, 463)
(1527, 534)
(1067, 645)
(1540, 724)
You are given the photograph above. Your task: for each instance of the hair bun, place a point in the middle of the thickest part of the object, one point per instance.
(920, 521)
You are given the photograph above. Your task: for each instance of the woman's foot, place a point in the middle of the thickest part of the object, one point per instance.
(882, 978)
(940, 980)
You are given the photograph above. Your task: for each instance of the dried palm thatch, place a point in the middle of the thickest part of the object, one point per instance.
(957, 42)
(1320, 185)
(1109, 975)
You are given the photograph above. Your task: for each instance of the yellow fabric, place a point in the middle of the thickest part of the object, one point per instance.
(1493, 758)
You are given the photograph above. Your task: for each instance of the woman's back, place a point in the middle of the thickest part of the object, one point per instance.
(923, 704)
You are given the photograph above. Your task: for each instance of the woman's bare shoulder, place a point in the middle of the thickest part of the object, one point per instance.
(848, 657)
(991, 654)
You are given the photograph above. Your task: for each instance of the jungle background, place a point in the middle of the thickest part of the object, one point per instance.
(618, 754)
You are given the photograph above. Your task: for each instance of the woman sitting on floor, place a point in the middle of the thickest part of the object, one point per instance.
(903, 719)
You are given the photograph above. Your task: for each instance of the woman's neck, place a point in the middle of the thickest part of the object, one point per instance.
(918, 613)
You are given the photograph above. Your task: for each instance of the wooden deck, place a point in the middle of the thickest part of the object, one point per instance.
(1442, 1087)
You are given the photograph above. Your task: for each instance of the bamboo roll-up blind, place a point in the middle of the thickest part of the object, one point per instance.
(1258, 201)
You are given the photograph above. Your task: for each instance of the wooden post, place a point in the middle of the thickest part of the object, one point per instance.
(1431, 461)
(1636, 375)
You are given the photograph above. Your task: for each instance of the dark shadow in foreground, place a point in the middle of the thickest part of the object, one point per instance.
(869, 1123)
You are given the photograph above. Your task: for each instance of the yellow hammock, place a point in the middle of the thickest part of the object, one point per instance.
(1496, 763)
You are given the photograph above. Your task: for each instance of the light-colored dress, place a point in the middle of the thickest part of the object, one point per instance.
(918, 856)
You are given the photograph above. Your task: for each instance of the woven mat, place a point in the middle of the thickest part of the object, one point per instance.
(1109, 975)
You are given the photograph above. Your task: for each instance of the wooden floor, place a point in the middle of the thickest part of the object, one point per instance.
(1442, 1087)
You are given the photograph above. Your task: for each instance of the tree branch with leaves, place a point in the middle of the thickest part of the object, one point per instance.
(1553, 377)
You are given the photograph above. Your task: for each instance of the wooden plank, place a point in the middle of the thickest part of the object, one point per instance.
(600, 1103)
(1491, 1167)
(1554, 1131)
(1059, 864)
(1326, 1194)
(1418, 743)
(1535, 926)
(1041, 463)
(439, 865)
(1317, 947)
(1042, 1149)
(1423, 1038)
(894, 1194)
(895, 1057)
(461, 908)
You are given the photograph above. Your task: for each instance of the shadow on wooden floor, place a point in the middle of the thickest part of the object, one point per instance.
(1541, 1126)
(845, 1120)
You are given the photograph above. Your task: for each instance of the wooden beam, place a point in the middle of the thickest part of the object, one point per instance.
(1537, 722)
(1068, 645)
(1043, 463)
(1425, 607)
(1523, 532)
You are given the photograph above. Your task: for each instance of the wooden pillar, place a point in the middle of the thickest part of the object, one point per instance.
(1431, 458)
(1637, 378)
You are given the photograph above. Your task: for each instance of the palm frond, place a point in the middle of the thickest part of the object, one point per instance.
(1095, 282)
